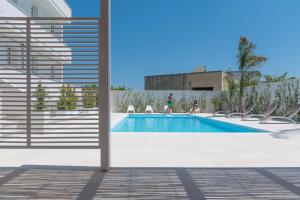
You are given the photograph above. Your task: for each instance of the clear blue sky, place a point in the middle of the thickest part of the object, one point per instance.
(170, 36)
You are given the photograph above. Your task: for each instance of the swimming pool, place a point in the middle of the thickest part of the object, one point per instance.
(177, 123)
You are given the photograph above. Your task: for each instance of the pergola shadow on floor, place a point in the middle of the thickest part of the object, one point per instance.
(64, 182)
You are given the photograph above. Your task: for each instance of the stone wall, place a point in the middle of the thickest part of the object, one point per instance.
(188, 81)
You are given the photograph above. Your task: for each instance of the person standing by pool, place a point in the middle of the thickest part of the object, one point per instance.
(170, 103)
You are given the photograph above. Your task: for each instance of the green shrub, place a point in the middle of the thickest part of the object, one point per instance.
(90, 96)
(123, 102)
(138, 102)
(251, 98)
(149, 99)
(68, 99)
(202, 103)
(217, 102)
(160, 103)
(182, 105)
(286, 95)
(40, 95)
(263, 101)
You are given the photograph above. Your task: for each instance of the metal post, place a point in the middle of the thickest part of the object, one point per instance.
(104, 84)
(28, 81)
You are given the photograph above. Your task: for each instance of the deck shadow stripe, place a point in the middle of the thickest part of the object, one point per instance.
(90, 189)
(15, 173)
(276, 179)
(192, 190)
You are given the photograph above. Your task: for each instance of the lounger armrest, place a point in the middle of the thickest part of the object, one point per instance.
(263, 121)
(245, 118)
(233, 114)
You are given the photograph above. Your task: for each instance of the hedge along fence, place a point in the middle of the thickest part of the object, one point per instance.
(157, 99)
(285, 94)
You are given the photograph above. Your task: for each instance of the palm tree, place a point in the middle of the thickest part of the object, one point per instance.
(248, 63)
(231, 96)
(274, 79)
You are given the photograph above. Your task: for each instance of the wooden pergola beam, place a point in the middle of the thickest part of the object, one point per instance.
(104, 84)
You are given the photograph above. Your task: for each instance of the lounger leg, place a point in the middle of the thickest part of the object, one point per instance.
(293, 121)
(245, 118)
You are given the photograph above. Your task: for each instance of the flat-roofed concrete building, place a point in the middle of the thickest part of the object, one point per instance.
(199, 79)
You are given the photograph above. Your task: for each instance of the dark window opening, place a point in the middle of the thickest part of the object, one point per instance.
(23, 57)
(52, 28)
(33, 65)
(52, 72)
(203, 88)
(9, 56)
(34, 11)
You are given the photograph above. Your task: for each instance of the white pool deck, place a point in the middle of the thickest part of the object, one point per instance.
(278, 148)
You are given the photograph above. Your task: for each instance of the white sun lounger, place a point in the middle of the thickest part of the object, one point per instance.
(292, 112)
(166, 109)
(149, 109)
(221, 113)
(271, 108)
(130, 109)
(197, 110)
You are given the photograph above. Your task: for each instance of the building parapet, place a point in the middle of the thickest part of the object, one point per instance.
(46, 8)
(63, 7)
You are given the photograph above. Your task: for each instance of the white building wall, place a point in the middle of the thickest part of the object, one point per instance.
(45, 8)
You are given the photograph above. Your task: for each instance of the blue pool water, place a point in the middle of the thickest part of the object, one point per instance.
(177, 123)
